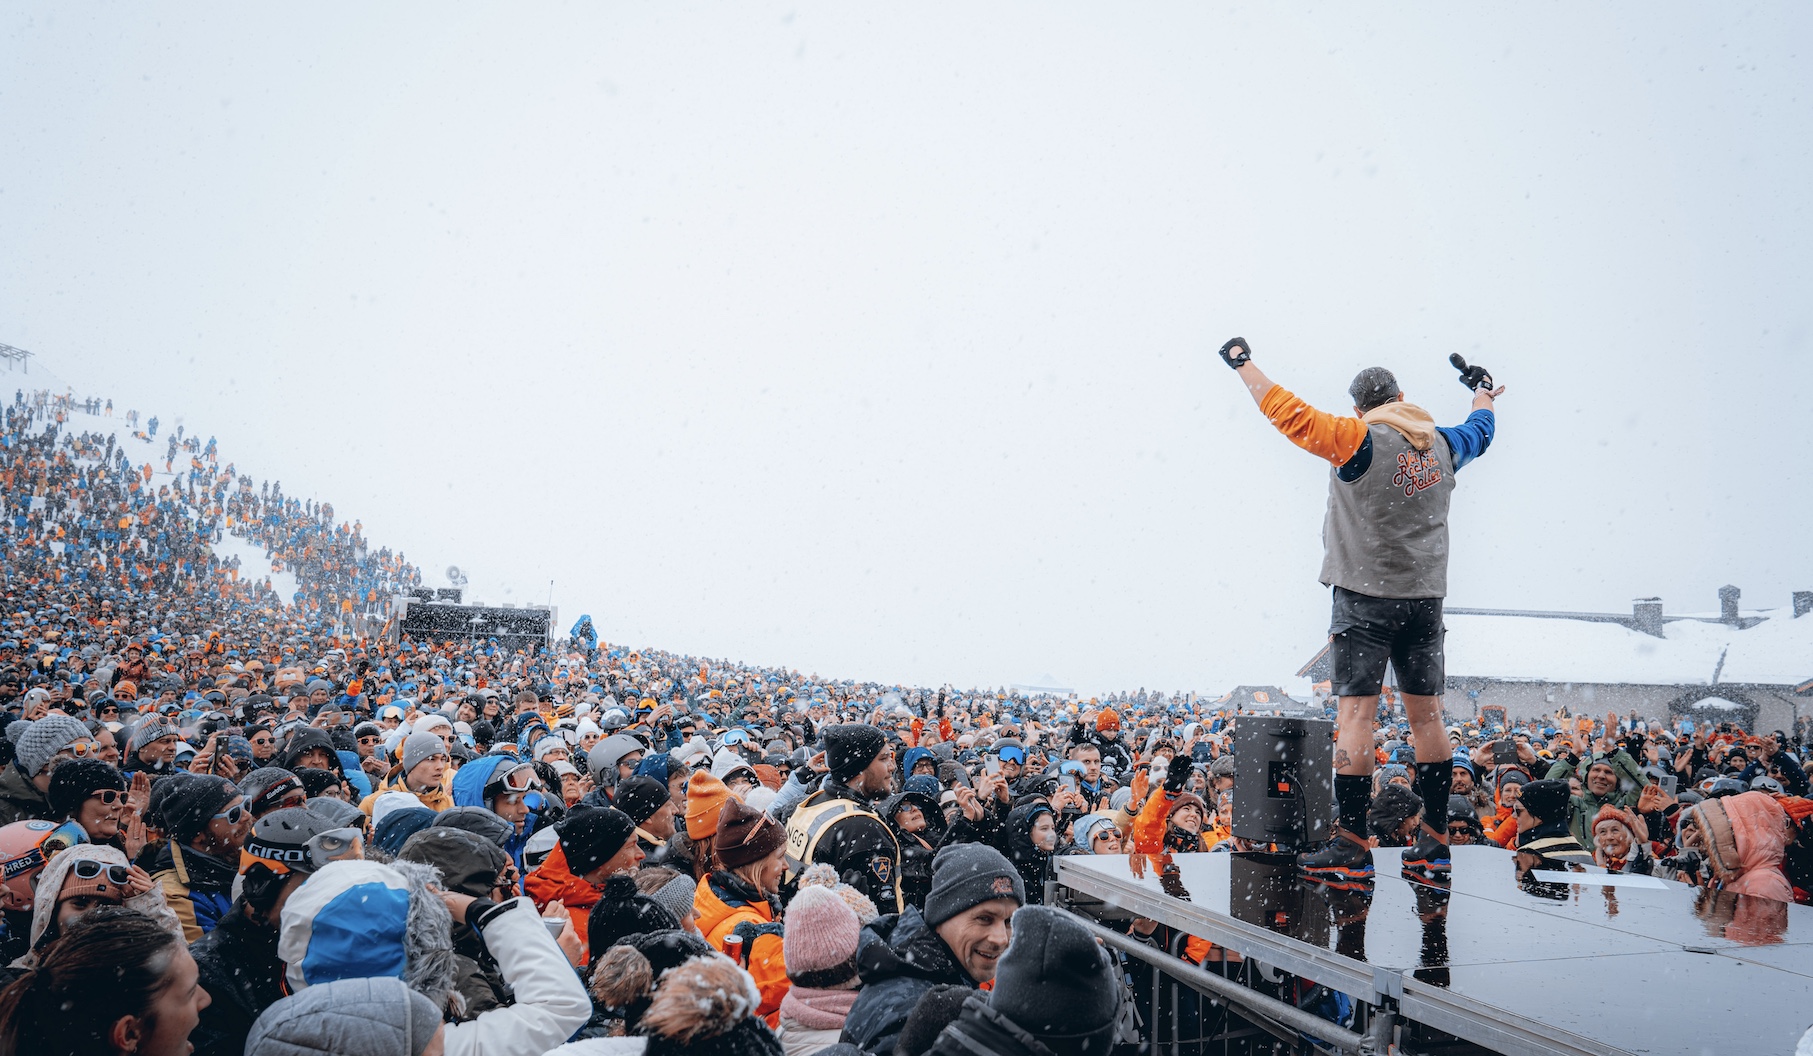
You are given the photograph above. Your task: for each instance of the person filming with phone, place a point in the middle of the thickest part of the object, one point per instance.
(1385, 538)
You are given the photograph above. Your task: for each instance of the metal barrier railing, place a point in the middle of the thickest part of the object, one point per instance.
(1256, 1006)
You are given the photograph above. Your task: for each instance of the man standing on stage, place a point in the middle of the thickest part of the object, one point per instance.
(1386, 556)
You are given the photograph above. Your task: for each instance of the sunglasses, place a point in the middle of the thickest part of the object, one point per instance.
(79, 750)
(293, 798)
(89, 868)
(369, 739)
(108, 796)
(232, 814)
(1108, 834)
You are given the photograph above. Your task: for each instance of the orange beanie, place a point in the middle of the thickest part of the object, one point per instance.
(1107, 720)
(705, 798)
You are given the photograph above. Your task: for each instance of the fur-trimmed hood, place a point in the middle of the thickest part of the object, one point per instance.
(358, 919)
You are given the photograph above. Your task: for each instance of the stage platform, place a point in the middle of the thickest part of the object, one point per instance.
(1598, 964)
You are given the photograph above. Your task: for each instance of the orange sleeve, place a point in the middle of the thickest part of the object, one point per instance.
(769, 969)
(1195, 949)
(1149, 827)
(1324, 435)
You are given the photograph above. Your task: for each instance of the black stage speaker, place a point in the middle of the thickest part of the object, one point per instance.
(1284, 779)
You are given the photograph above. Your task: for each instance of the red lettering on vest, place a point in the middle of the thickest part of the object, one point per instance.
(1417, 470)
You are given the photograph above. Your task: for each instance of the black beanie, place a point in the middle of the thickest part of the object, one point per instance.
(192, 803)
(1393, 804)
(640, 797)
(592, 836)
(622, 911)
(965, 875)
(850, 748)
(1547, 801)
(315, 781)
(1057, 983)
(1460, 808)
(76, 780)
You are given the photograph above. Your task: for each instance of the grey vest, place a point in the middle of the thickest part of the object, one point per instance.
(1386, 534)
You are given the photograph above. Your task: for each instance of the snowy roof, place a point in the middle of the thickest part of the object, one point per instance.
(1777, 651)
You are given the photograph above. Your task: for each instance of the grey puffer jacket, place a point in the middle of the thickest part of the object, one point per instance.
(349, 1017)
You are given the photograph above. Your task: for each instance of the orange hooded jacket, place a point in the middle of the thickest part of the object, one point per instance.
(719, 912)
(553, 881)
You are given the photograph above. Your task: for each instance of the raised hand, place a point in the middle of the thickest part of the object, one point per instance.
(1474, 378)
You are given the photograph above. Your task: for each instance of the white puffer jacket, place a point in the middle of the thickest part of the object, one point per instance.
(551, 1003)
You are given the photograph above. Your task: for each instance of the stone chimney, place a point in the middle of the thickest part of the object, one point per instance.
(1646, 616)
(1803, 602)
(1728, 596)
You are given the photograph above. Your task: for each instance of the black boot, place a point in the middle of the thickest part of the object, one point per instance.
(1427, 861)
(1345, 858)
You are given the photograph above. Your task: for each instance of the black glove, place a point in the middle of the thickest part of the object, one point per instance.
(1177, 777)
(1246, 352)
(1474, 378)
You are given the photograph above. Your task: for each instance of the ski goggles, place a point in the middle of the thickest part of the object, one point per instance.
(519, 778)
(57, 839)
(331, 846)
(1012, 754)
(288, 792)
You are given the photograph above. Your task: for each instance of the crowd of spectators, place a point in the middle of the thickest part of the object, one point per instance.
(227, 820)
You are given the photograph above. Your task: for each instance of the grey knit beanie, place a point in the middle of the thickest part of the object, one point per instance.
(677, 895)
(45, 738)
(420, 747)
(147, 731)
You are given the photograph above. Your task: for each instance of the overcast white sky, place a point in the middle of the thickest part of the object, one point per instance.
(878, 340)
